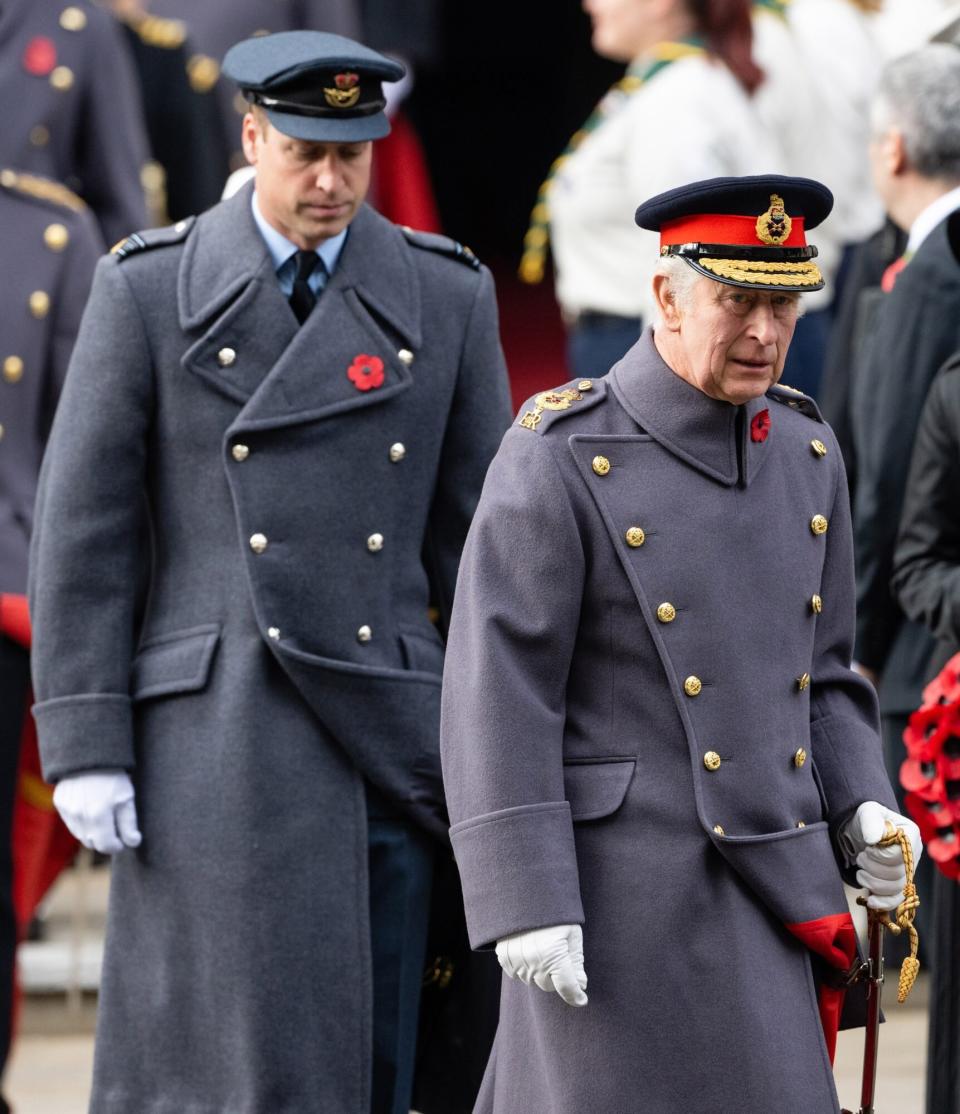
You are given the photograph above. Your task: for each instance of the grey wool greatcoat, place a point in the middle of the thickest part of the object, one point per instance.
(631, 741)
(209, 451)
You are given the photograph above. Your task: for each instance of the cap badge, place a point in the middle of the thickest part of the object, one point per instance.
(347, 91)
(773, 226)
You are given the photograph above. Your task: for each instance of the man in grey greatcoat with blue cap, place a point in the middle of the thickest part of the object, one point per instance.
(656, 755)
(269, 446)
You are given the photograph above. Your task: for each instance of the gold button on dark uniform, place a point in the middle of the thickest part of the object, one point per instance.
(816, 604)
(56, 237)
(364, 634)
(666, 613)
(39, 135)
(273, 633)
(73, 19)
(258, 543)
(819, 448)
(803, 681)
(801, 824)
(600, 465)
(13, 369)
(711, 760)
(226, 357)
(405, 356)
(635, 537)
(718, 830)
(375, 543)
(397, 452)
(240, 453)
(39, 303)
(62, 78)
(800, 757)
(818, 524)
(692, 686)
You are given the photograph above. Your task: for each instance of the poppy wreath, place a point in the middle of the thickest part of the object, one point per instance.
(931, 771)
(366, 372)
(760, 426)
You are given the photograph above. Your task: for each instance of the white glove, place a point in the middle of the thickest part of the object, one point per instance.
(881, 868)
(550, 957)
(99, 810)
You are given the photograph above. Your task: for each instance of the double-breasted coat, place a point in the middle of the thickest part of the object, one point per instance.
(650, 727)
(298, 528)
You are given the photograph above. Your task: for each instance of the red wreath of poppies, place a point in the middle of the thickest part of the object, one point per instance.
(366, 372)
(760, 426)
(931, 772)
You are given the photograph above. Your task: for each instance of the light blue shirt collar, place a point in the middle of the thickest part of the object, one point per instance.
(282, 252)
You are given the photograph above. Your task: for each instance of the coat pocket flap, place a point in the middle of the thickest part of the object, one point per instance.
(175, 662)
(596, 787)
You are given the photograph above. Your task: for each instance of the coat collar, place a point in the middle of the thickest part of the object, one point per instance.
(694, 427)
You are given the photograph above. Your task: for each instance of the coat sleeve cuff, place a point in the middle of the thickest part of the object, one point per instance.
(89, 732)
(519, 871)
(849, 763)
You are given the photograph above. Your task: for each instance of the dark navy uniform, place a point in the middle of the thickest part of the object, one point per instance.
(72, 107)
(54, 241)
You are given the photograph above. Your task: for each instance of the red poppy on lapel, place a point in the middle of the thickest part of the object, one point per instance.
(40, 56)
(760, 425)
(366, 372)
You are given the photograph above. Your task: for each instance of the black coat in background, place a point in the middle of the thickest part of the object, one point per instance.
(927, 584)
(917, 328)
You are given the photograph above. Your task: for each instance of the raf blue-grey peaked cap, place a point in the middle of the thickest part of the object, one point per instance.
(314, 85)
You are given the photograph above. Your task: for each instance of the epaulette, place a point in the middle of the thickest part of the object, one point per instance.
(155, 30)
(43, 188)
(796, 400)
(152, 238)
(541, 411)
(443, 245)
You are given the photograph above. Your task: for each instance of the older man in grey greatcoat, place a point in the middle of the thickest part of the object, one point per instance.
(270, 443)
(650, 724)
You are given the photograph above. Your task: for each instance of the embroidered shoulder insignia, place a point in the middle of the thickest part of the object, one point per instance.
(555, 401)
(152, 238)
(46, 189)
(443, 245)
(796, 400)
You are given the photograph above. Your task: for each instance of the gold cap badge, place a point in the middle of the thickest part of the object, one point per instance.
(773, 226)
(347, 91)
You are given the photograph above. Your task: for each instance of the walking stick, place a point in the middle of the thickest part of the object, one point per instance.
(872, 970)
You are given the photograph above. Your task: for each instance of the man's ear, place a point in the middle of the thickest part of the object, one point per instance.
(893, 149)
(250, 137)
(666, 302)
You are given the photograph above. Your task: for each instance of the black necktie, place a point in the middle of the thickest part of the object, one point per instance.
(302, 298)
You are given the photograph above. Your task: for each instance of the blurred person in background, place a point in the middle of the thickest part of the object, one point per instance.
(681, 113)
(926, 582)
(915, 158)
(73, 109)
(51, 242)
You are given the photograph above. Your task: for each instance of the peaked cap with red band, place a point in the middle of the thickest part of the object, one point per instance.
(748, 232)
(314, 85)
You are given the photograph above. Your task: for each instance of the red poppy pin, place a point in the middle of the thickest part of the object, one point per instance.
(366, 372)
(760, 426)
(40, 56)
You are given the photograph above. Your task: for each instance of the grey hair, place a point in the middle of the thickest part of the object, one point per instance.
(683, 278)
(919, 93)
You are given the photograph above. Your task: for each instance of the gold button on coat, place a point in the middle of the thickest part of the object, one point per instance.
(226, 357)
(818, 524)
(375, 543)
(39, 303)
(719, 830)
(240, 453)
(13, 369)
(405, 356)
(819, 448)
(397, 452)
(56, 237)
(666, 613)
(364, 634)
(258, 542)
(73, 19)
(274, 633)
(39, 135)
(800, 757)
(711, 760)
(692, 687)
(62, 78)
(816, 604)
(803, 681)
(600, 465)
(635, 537)
(801, 824)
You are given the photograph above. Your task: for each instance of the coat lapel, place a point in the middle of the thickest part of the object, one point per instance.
(227, 288)
(370, 307)
(700, 430)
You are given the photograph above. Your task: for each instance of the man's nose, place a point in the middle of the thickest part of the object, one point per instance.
(327, 174)
(763, 324)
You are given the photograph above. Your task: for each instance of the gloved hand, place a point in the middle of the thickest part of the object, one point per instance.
(881, 868)
(550, 957)
(99, 810)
